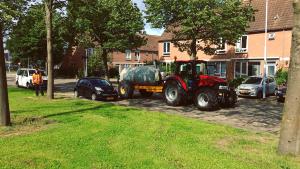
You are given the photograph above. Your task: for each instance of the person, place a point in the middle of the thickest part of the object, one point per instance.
(37, 81)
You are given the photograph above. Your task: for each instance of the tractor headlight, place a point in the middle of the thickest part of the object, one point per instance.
(223, 87)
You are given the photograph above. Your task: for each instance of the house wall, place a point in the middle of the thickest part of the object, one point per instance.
(145, 56)
(278, 50)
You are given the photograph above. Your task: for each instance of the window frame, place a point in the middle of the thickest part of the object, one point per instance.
(127, 54)
(166, 48)
(222, 51)
(137, 57)
(239, 44)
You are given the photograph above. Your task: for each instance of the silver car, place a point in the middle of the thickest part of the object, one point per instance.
(253, 86)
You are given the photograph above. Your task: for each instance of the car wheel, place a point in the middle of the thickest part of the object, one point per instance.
(173, 93)
(27, 85)
(206, 99)
(94, 96)
(76, 95)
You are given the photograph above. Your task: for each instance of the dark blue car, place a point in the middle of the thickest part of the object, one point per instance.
(95, 88)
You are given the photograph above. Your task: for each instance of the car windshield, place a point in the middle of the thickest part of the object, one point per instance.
(99, 82)
(31, 72)
(253, 80)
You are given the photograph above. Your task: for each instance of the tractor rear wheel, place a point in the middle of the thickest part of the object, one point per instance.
(206, 99)
(125, 90)
(144, 93)
(174, 94)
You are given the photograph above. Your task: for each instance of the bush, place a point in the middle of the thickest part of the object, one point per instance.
(281, 76)
(236, 82)
(113, 72)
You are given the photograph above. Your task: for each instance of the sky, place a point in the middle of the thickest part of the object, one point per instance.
(149, 30)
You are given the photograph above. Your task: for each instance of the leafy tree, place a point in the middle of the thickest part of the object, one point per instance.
(206, 21)
(27, 39)
(9, 12)
(110, 24)
(289, 142)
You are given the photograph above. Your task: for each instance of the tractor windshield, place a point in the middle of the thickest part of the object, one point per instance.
(201, 69)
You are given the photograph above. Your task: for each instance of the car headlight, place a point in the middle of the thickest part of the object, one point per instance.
(223, 87)
(99, 89)
(253, 89)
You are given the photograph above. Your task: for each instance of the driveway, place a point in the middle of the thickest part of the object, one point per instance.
(252, 114)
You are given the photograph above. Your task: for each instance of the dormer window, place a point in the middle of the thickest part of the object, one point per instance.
(221, 49)
(242, 45)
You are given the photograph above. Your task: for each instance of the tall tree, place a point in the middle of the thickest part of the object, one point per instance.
(9, 12)
(48, 20)
(290, 127)
(200, 24)
(111, 24)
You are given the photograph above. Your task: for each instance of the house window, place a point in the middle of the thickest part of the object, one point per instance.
(137, 55)
(221, 49)
(247, 69)
(166, 48)
(128, 55)
(217, 69)
(242, 45)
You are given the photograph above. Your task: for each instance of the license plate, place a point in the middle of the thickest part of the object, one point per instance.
(243, 91)
(110, 98)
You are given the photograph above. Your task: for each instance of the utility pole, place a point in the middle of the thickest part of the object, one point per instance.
(265, 51)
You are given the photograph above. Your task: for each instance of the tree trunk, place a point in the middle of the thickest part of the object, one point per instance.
(4, 105)
(194, 49)
(48, 20)
(289, 142)
(104, 57)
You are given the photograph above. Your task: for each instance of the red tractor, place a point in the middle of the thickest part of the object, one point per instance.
(189, 82)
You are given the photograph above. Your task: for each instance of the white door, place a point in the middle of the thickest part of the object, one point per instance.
(24, 78)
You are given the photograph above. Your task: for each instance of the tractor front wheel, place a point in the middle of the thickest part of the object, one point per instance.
(125, 90)
(206, 99)
(174, 94)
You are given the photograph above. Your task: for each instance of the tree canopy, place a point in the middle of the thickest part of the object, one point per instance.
(202, 21)
(110, 24)
(27, 38)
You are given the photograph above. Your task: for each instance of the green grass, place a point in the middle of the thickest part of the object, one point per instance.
(67, 133)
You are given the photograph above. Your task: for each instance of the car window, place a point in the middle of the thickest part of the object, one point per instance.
(20, 72)
(99, 82)
(25, 73)
(253, 80)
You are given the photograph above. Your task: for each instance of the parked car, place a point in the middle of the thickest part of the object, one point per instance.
(24, 77)
(280, 93)
(253, 87)
(95, 88)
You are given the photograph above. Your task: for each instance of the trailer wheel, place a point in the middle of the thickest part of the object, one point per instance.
(206, 99)
(144, 93)
(125, 90)
(174, 94)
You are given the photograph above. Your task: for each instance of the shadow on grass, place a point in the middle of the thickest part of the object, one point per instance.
(73, 112)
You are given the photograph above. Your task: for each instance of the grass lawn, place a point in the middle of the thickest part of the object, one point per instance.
(76, 133)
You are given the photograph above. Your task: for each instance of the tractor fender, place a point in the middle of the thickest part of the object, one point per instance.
(179, 80)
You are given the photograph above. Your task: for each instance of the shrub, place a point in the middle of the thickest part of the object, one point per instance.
(281, 76)
(236, 82)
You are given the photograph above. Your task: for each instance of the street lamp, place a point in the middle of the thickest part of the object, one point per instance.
(265, 50)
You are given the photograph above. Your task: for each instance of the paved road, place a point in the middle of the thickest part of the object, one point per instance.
(252, 114)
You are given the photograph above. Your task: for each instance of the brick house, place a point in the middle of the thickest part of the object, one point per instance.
(75, 58)
(146, 53)
(246, 58)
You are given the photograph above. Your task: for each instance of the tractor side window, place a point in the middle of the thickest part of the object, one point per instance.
(201, 69)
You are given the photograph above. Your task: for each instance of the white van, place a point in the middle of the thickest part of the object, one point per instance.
(24, 77)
